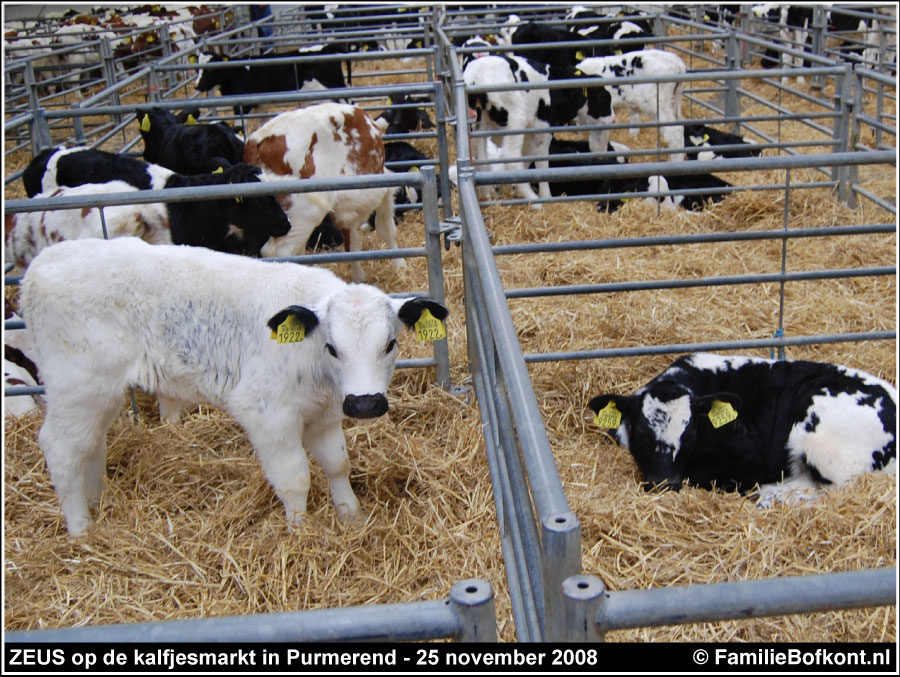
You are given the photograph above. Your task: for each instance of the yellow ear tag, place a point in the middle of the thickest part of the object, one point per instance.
(150, 38)
(291, 330)
(220, 170)
(705, 138)
(192, 58)
(618, 52)
(721, 413)
(579, 74)
(609, 416)
(191, 120)
(145, 123)
(579, 55)
(429, 328)
(413, 169)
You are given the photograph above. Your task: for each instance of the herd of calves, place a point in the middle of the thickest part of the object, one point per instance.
(290, 350)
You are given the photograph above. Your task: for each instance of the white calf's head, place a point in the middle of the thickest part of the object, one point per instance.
(357, 330)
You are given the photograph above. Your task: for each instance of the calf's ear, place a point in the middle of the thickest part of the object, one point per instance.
(410, 310)
(303, 315)
(610, 409)
(719, 409)
(702, 403)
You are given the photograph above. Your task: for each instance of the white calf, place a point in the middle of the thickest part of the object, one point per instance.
(287, 350)
(30, 232)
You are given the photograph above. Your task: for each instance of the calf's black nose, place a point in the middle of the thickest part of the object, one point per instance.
(365, 406)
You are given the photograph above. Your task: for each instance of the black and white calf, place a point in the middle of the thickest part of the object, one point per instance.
(792, 24)
(187, 148)
(287, 350)
(400, 156)
(526, 109)
(53, 168)
(568, 153)
(257, 79)
(18, 368)
(702, 142)
(657, 101)
(738, 423)
(406, 115)
(636, 29)
(704, 188)
(236, 225)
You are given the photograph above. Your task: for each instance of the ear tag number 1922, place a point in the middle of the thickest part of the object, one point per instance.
(291, 330)
(429, 328)
(609, 416)
(721, 413)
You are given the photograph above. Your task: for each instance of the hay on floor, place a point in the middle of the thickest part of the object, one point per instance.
(188, 527)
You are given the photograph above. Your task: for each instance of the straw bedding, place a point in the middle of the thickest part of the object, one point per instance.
(188, 526)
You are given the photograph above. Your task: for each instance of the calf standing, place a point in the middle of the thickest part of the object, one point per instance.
(735, 423)
(287, 350)
(532, 109)
(660, 101)
(329, 140)
(258, 79)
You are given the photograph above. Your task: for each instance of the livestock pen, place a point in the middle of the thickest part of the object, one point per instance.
(521, 490)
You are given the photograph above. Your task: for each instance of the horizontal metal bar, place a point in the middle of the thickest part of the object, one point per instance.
(413, 620)
(748, 599)
(355, 93)
(340, 257)
(693, 238)
(725, 280)
(687, 167)
(217, 192)
(679, 348)
(587, 81)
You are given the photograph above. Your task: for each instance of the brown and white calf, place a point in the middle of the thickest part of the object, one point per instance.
(326, 141)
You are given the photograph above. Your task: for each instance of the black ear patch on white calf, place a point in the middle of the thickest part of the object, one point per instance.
(410, 311)
(307, 318)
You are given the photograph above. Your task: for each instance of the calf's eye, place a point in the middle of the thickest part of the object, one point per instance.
(390, 346)
(330, 349)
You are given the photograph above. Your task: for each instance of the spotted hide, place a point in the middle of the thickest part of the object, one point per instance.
(740, 423)
(326, 141)
(656, 101)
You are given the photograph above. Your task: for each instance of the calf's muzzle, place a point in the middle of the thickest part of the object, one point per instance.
(365, 406)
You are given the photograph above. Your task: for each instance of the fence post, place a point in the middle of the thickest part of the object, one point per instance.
(40, 132)
(818, 44)
(153, 84)
(843, 106)
(78, 124)
(732, 62)
(435, 265)
(472, 600)
(583, 597)
(561, 542)
(31, 85)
